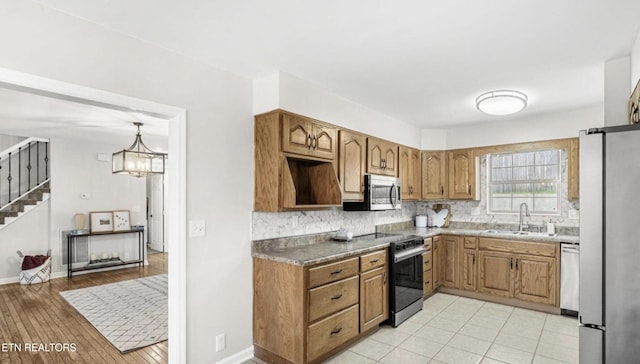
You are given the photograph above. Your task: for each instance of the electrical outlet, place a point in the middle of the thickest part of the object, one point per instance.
(221, 342)
(197, 228)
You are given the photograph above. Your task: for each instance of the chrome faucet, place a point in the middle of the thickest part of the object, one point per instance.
(526, 207)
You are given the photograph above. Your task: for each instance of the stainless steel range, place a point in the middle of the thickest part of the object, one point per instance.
(405, 272)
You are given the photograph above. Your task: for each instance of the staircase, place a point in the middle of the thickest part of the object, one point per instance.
(24, 204)
(24, 178)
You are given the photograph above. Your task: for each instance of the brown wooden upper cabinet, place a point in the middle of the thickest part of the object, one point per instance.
(305, 136)
(434, 175)
(353, 163)
(410, 173)
(574, 168)
(294, 164)
(382, 157)
(462, 178)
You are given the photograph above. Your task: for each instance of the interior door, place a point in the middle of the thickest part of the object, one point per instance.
(155, 212)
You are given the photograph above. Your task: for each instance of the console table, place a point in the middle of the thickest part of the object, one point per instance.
(71, 239)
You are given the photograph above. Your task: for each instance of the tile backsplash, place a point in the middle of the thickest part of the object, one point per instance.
(267, 225)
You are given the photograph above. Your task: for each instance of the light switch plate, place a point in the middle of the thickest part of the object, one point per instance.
(197, 228)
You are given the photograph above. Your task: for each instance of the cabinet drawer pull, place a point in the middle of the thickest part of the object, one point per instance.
(336, 331)
(336, 297)
(336, 272)
(374, 261)
(314, 142)
(426, 262)
(309, 141)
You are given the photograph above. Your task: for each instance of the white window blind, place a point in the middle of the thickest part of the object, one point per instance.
(532, 177)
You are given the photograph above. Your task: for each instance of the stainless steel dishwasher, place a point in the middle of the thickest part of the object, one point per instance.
(569, 278)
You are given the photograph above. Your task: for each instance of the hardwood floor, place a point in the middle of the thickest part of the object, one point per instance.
(37, 314)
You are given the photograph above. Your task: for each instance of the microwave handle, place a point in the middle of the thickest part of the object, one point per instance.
(394, 199)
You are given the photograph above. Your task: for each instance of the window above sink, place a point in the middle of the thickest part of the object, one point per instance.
(533, 177)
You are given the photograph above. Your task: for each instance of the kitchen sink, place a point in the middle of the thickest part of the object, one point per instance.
(521, 233)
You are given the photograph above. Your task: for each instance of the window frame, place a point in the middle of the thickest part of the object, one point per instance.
(558, 182)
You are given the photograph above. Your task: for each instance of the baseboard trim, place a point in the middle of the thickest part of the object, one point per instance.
(9, 280)
(239, 357)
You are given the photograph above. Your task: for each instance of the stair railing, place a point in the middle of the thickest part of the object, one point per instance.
(23, 167)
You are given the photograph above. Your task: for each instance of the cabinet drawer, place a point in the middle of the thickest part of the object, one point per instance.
(470, 242)
(427, 261)
(332, 272)
(428, 244)
(519, 247)
(331, 332)
(333, 297)
(427, 278)
(373, 260)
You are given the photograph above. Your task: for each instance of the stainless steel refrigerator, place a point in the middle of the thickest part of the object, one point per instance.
(610, 245)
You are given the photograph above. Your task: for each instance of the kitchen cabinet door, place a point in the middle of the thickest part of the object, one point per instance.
(374, 298)
(495, 273)
(437, 262)
(462, 184)
(469, 270)
(434, 175)
(410, 173)
(451, 256)
(535, 279)
(382, 157)
(573, 169)
(304, 136)
(353, 162)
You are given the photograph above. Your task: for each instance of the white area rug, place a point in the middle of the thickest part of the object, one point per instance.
(130, 314)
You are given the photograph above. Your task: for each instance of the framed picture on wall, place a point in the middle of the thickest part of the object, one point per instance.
(101, 221)
(121, 220)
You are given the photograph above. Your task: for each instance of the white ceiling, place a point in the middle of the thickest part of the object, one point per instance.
(423, 62)
(28, 114)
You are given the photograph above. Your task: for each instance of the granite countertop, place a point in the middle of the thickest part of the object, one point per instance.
(297, 251)
(319, 248)
(430, 232)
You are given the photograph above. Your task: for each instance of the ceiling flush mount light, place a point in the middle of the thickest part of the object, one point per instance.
(501, 102)
(138, 160)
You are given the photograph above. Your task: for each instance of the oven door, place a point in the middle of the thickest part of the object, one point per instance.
(406, 279)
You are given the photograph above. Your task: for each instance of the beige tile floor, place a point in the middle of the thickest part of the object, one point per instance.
(460, 330)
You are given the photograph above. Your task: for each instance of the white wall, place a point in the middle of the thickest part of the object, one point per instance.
(617, 73)
(7, 141)
(301, 97)
(635, 63)
(434, 139)
(47, 43)
(540, 127)
(75, 169)
(29, 234)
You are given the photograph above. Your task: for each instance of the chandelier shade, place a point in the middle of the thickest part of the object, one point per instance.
(138, 160)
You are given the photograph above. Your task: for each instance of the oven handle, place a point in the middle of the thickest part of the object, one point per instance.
(409, 254)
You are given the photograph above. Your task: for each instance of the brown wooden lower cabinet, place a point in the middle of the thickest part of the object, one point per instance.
(305, 314)
(524, 270)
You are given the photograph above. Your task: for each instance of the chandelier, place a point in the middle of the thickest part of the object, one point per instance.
(138, 160)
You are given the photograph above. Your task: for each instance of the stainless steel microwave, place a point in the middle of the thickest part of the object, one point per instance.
(380, 193)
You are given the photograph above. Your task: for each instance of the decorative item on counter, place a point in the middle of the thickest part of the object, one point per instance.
(442, 215)
(121, 220)
(551, 227)
(421, 220)
(634, 105)
(430, 214)
(342, 235)
(101, 221)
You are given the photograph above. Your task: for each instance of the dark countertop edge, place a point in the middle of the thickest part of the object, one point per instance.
(421, 232)
(323, 259)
